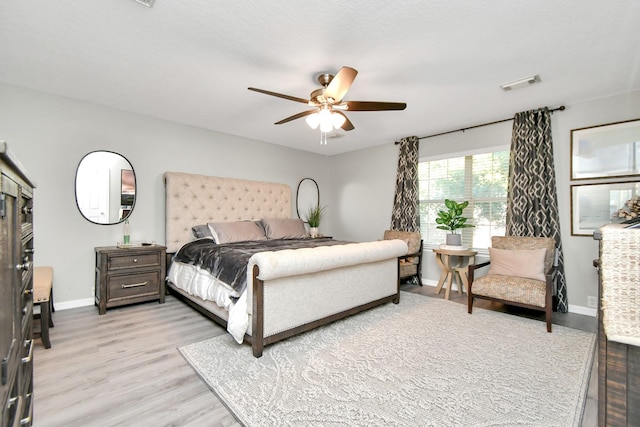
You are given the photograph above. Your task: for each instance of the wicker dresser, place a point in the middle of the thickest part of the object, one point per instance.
(16, 291)
(619, 326)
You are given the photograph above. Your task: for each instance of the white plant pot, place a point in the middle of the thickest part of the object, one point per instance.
(313, 232)
(454, 239)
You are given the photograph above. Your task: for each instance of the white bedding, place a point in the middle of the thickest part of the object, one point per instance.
(196, 281)
(201, 283)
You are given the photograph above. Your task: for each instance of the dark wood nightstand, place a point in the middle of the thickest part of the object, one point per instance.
(129, 275)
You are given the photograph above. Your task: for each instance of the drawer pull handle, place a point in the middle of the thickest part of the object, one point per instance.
(27, 210)
(30, 355)
(135, 260)
(28, 420)
(12, 400)
(134, 285)
(26, 266)
(15, 400)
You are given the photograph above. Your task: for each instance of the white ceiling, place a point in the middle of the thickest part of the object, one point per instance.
(191, 61)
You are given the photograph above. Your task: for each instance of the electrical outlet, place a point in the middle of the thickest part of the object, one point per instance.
(592, 302)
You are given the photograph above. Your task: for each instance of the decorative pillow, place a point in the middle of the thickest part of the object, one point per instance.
(284, 228)
(520, 263)
(200, 231)
(237, 231)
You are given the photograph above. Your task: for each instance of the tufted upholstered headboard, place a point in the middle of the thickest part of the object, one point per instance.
(198, 199)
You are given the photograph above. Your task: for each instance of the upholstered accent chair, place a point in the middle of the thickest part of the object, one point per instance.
(410, 264)
(520, 273)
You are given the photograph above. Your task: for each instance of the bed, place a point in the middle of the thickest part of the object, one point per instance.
(286, 291)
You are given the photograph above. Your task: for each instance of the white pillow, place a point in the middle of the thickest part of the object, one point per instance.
(237, 231)
(527, 263)
(284, 228)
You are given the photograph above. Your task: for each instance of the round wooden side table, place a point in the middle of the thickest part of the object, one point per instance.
(454, 264)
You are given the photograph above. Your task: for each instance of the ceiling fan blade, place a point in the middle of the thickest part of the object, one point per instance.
(279, 95)
(374, 106)
(347, 125)
(340, 84)
(295, 116)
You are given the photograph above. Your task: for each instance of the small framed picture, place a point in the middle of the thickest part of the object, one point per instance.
(606, 151)
(595, 205)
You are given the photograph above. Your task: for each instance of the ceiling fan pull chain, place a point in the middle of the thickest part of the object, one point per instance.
(323, 138)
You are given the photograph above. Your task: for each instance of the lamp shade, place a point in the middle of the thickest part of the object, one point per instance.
(337, 120)
(313, 120)
(326, 124)
(326, 119)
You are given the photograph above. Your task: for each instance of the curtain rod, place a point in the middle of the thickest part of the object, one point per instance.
(560, 108)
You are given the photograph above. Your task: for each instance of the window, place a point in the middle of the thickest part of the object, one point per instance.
(479, 178)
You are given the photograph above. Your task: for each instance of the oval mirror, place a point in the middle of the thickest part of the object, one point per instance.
(105, 187)
(307, 197)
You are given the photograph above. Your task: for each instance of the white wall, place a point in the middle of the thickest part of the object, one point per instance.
(363, 183)
(50, 135)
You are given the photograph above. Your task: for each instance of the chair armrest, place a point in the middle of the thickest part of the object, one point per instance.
(407, 256)
(549, 280)
(479, 265)
(472, 269)
(418, 253)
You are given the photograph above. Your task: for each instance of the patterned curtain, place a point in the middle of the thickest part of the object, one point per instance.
(406, 213)
(532, 205)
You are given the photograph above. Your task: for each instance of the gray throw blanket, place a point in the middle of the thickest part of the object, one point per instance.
(228, 262)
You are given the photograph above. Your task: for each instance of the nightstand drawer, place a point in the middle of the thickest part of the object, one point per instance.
(117, 262)
(133, 285)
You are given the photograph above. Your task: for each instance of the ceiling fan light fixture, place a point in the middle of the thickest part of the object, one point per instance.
(337, 120)
(326, 121)
(328, 108)
(313, 120)
(326, 127)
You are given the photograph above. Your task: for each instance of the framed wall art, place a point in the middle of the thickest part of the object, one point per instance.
(595, 205)
(606, 151)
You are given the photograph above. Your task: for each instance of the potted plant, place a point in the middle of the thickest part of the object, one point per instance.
(452, 219)
(313, 219)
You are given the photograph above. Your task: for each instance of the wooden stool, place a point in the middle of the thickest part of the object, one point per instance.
(43, 296)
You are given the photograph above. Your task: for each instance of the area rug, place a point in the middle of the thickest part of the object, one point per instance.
(424, 362)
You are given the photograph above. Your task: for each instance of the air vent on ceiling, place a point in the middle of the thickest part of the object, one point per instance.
(147, 3)
(518, 84)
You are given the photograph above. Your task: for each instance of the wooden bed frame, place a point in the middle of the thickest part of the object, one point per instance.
(351, 278)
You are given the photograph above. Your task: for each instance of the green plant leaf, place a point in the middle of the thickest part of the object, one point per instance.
(452, 219)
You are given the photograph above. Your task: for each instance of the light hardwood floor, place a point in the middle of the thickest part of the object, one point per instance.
(123, 369)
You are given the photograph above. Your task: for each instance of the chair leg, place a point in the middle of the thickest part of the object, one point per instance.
(548, 315)
(45, 318)
(52, 308)
(469, 302)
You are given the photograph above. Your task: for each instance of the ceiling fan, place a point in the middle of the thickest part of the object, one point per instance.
(328, 105)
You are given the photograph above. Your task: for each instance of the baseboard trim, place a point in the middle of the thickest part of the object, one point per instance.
(587, 311)
(66, 305)
(577, 309)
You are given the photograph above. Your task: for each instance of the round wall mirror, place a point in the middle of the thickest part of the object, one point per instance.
(105, 187)
(307, 197)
